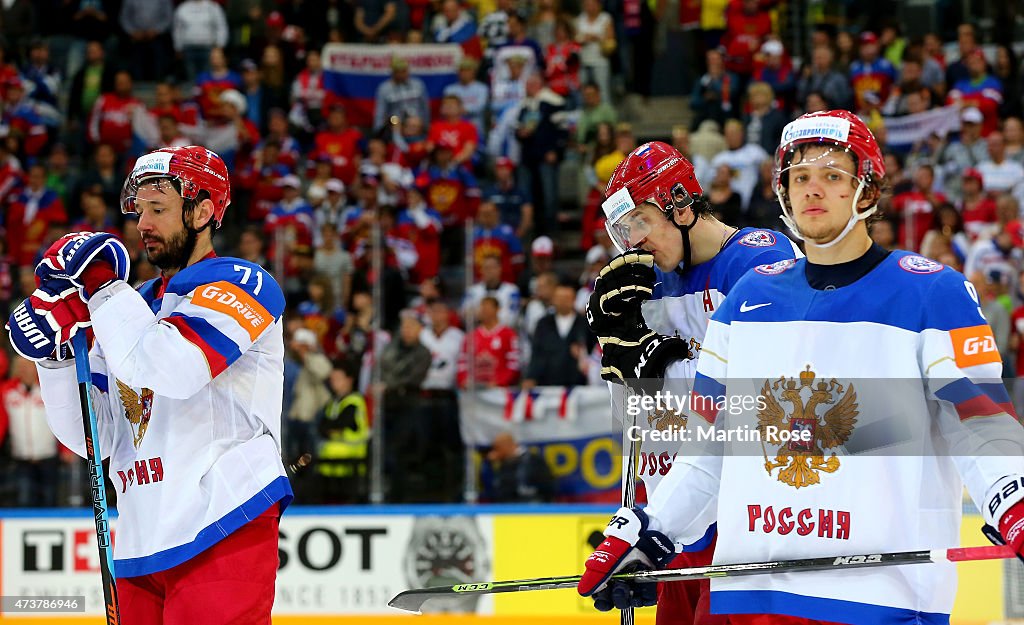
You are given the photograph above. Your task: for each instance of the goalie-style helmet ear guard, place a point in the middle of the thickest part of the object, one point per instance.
(193, 168)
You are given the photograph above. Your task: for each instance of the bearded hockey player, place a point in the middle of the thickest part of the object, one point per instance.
(684, 262)
(812, 338)
(187, 386)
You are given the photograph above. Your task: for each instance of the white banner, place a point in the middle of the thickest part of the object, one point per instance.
(910, 129)
(350, 564)
(542, 414)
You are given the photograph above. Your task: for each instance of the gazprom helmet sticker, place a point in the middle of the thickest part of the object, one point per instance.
(155, 163)
(617, 205)
(834, 128)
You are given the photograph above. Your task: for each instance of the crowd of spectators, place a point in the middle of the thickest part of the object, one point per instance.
(365, 227)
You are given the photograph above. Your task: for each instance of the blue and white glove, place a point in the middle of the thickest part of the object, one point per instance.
(629, 545)
(32, 333)
(88, 260)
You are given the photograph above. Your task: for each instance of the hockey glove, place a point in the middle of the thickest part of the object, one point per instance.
(64, 311)
(629, 545)
(89, 260)
(639, 353)
(32, 336)
(1011, 529)
(623, 285)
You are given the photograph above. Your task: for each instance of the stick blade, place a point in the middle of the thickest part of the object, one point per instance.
(411, 600)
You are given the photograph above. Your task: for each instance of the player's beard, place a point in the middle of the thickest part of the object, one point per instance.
(176, 250)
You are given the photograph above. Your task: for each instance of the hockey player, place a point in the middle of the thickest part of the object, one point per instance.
(656, 208)
(809, 332)
(187, 386)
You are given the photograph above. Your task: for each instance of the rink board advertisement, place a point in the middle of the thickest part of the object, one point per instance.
(351, 563)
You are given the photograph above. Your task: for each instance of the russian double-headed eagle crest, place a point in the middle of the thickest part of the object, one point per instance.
(666, 419)
(800, 461)
(137, 409)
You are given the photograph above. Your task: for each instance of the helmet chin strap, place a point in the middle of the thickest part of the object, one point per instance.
(855, 217)
(191, 234)
(684, 232)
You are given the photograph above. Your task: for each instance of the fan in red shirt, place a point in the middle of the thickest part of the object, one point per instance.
(111, 118)
(562, 60)
(167, 102)
(308, 94)
(340, 143)
(495, 347)
(914, 208)
(747, 24)
(977, 209)
(31, 214)
(453, 131)
(260, 178)
(421, 225)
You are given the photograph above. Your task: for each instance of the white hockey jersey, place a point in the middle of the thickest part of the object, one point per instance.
(187, 388)
(683, 303)
(896, 378)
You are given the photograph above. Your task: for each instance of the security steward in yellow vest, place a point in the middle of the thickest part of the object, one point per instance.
(345, 433)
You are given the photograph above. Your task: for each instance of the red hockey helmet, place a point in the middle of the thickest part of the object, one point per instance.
(654, 172)
(838, 128)
(192, 167)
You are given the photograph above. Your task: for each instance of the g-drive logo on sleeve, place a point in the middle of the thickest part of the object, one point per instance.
(833, 128)
(228, 298)
(974, 346)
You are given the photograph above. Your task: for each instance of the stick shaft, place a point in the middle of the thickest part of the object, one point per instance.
(628, 474)
(97, 478)
(412, 600)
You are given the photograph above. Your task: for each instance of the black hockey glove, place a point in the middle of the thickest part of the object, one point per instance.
(640, 353)
(623, 285)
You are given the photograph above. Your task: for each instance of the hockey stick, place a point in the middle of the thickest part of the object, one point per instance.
(97, 478)
(628, 476)
(412, 600)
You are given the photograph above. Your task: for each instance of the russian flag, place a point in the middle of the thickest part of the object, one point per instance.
(708, 394)
(352, 72)
(977, 399)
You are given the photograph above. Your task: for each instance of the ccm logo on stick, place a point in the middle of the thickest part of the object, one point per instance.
(974, 346)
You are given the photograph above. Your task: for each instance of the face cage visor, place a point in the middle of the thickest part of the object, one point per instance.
(627, 226)
(162, 183)
(825, 160)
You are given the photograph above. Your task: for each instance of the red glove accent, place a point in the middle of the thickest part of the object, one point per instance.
(1011, 526)
(64, 312)
(96, 275)
(601, 563)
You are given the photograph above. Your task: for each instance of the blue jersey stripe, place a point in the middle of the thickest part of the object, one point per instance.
(964, 389)
(818, 608)
(213, 337)
(278, 490)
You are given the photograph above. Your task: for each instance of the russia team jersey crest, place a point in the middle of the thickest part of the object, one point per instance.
(683, 303)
